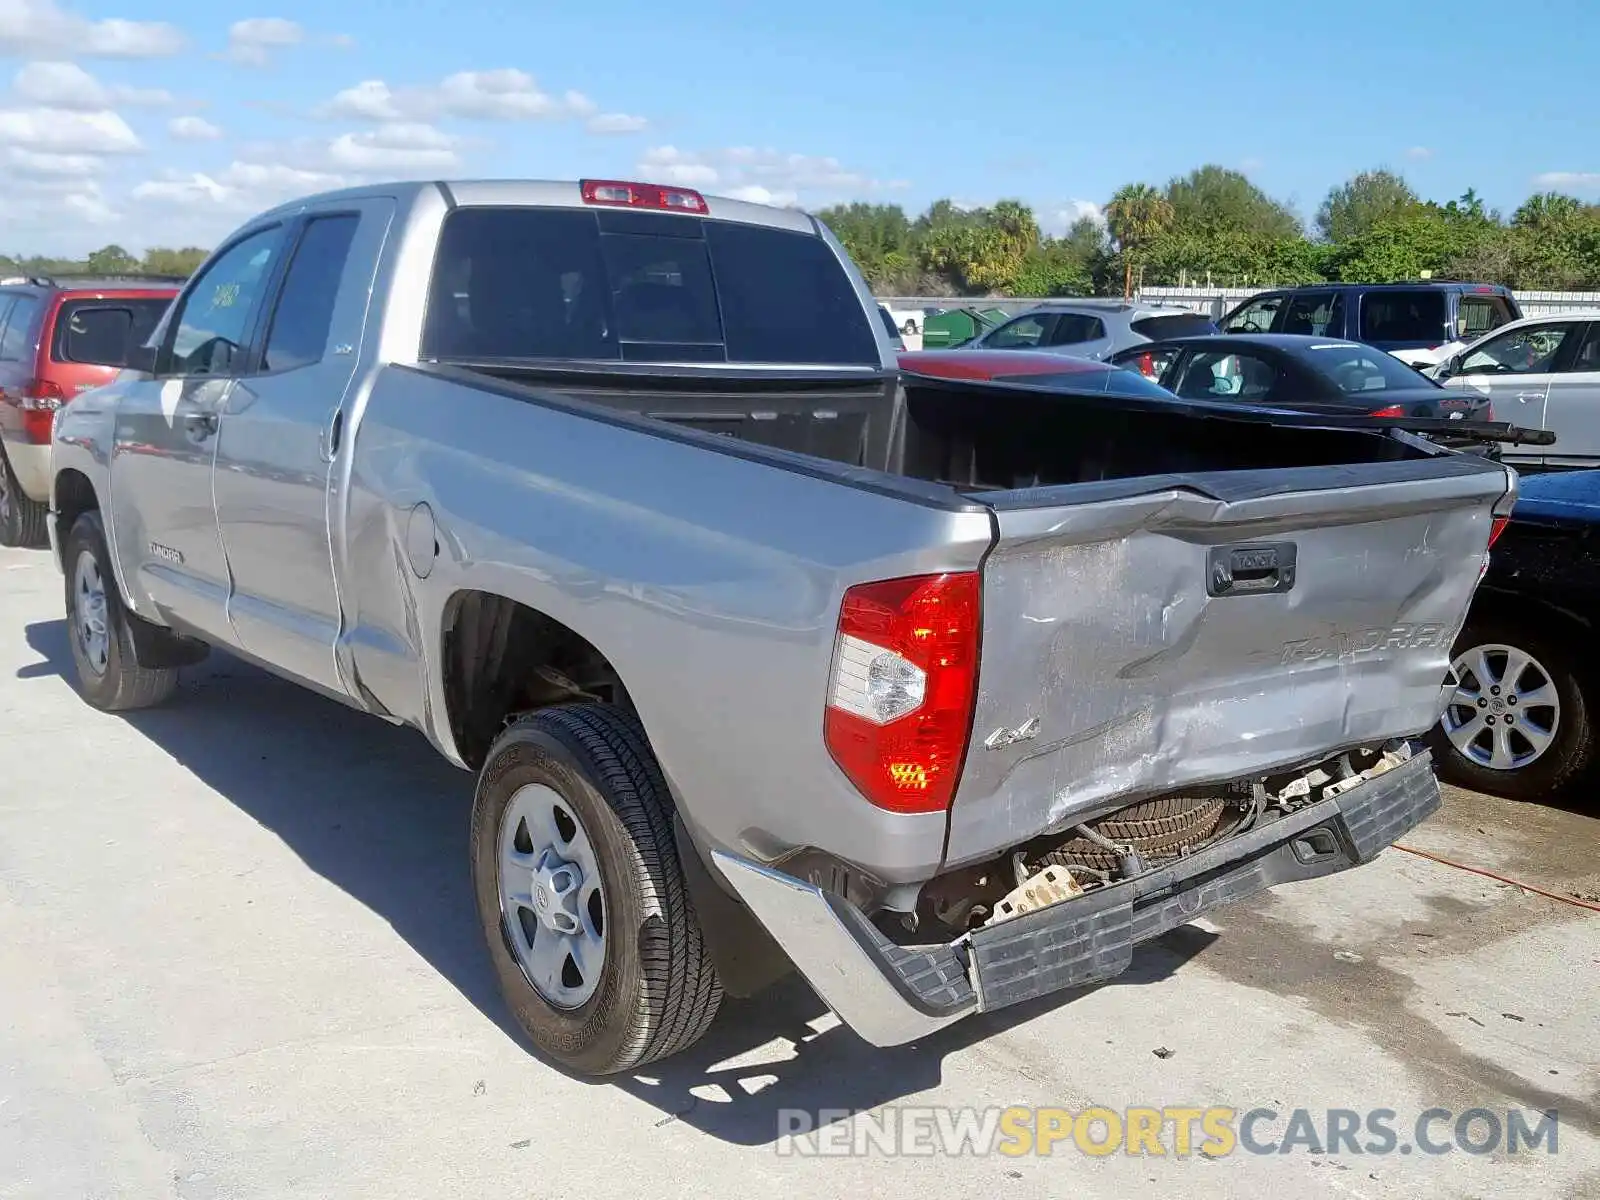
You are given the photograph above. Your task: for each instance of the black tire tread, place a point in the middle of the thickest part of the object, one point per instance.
(682, 993)
(130, 685)
(1154, 836)
(26, 528)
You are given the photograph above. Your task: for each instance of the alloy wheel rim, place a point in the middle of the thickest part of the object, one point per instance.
(1505, 712)
(552, 900)
(89, 613)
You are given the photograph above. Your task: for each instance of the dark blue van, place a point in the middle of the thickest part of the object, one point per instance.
(1390, 316)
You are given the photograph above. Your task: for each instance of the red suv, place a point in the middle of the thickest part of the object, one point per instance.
(59, 338)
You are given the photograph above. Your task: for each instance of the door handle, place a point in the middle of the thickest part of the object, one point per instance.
(331, 435)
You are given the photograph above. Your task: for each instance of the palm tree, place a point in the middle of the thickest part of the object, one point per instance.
(1136, 216)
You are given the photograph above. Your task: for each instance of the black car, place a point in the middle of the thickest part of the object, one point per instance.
(1299, 373)
(1526, 674)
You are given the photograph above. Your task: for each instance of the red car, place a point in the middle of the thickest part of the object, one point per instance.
(59, 338)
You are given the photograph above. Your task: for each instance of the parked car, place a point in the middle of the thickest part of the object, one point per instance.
(1412, 321)
(1543, 373)
(1087, 329)
(1074, 376)
(1521, 720)
(1301, 373)
(618, 495)
(57, 338)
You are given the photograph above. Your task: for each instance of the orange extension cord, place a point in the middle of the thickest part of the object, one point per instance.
(1527, 887)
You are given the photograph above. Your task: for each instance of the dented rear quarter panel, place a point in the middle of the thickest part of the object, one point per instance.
(1125, 678)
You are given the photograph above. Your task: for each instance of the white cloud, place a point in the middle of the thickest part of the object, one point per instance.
(745, 172)
(65, 85)
(53, 131)
(395, 147)
(1058, 219)
(253, 41)
(242, 188)
(40, 27)
(1583, 181)
(505, 94)
(616, 123)
(33, 164)
(193, 129)
(1419, 153)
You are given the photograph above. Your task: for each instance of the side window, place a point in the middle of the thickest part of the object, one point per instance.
(1074, 328)
(211, 334)
(1528, 351)
(1587, 359)
(7, 301)
(1022, 333)
(1213, 374)
(1254, 317)
(1311, 314)
(19, 323)
(303, 317)
(1476, 315)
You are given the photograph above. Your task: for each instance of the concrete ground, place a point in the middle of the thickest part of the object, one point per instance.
(238, 958)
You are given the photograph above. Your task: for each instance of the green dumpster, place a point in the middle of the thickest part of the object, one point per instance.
(953, 326)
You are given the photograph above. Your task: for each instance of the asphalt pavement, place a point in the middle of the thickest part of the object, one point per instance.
(238, 958)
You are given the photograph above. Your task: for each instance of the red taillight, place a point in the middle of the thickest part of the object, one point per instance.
(1393, 410)
(905, 672)
(1147, 365)
(40, 399)
(1496, 527)
(642, 195)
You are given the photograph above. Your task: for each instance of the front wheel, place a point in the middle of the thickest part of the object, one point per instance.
(581, 895)
(1517, 724)
(100, 629)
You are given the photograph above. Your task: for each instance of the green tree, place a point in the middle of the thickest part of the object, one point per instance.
(1213, 199)
(1358, 204)
(1137, 216)
(110, 260)
(160, 260)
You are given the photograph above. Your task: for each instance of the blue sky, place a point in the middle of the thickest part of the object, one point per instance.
(170, 123)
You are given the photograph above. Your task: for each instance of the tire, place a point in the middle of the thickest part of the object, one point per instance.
(115, 681)
(657, 991)
(1570, 756)
(21, 519)
(1158, 829)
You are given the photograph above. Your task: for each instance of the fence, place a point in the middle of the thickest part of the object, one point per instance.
(1214, 301)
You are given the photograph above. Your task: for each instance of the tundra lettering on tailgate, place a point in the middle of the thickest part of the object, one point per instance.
(1349, 644)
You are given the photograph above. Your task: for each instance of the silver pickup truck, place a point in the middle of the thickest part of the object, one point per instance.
(946, 693)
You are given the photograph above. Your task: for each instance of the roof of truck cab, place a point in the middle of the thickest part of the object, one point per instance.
(541, 193)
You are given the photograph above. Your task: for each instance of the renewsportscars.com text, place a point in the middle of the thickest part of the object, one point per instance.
(1169, 1130)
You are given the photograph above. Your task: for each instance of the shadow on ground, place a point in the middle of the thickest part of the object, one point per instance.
(376, 811)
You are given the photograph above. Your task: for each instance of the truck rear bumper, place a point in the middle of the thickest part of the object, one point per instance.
(891, 994)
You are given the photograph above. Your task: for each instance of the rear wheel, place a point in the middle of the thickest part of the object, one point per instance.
(21, 519)
(1518, 722)
(100, 629)
(581, 895)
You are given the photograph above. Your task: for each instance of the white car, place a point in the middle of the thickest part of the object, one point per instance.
(908, 320)
(1541, 373)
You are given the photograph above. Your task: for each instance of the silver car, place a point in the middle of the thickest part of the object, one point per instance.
(1542, 372)
(1090, 329)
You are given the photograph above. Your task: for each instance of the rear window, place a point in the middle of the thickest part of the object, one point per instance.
(16, 340)
(1354, 368)
(102, 332)
(1417, 316)
(1115, 382)
(639, 287)
(1478, 313)
(1175, 326)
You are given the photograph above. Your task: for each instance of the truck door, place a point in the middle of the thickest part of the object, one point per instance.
(283, 426)
(163, 521)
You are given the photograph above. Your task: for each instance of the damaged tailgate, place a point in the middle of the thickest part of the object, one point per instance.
(1145, 635)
